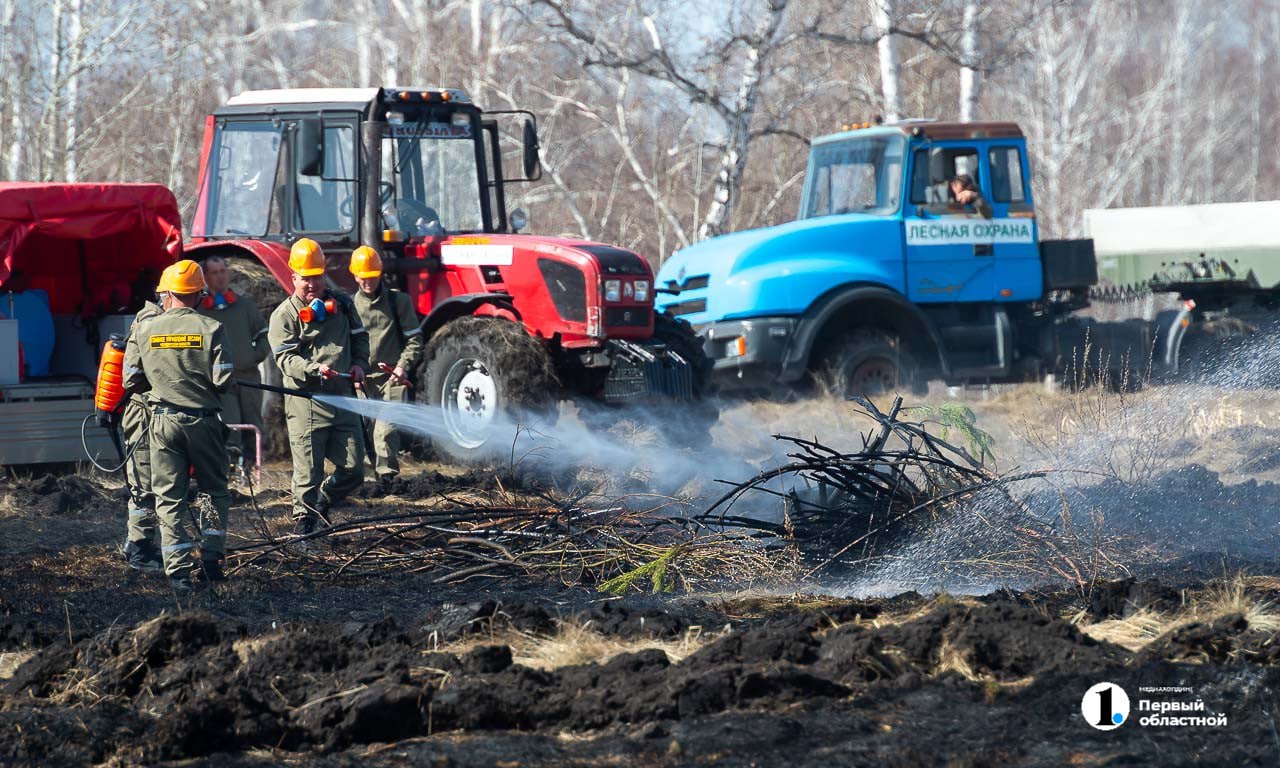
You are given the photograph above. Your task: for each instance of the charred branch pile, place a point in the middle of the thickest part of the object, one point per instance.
(841, 510)
(613, 548)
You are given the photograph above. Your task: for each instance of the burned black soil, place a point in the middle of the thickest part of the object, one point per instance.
(407, 670)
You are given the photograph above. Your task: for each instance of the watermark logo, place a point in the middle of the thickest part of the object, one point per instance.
(1105, 706)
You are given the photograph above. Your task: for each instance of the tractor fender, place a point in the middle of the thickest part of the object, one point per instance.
(465, 305)
(1170, 329)
(891, 312)
(273, 255)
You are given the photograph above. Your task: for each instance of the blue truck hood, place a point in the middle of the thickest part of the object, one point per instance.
(780, 270)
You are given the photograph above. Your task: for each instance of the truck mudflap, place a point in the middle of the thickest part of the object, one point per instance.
(1170, 329)
(639, 373)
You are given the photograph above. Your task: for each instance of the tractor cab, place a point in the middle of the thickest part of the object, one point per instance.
(387, 167)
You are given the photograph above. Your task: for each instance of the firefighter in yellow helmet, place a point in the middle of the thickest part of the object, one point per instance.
(320, 346)
(395, 345)
(180, 360)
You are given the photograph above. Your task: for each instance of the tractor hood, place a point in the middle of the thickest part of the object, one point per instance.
(779, 271)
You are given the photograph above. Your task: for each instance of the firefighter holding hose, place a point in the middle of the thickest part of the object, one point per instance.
(179, 359)
(395, 344)
(321, 347)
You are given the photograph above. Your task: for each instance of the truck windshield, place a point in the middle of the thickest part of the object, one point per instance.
(862, 175)
(431, 180)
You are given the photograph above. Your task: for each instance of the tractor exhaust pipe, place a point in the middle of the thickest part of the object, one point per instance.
(371, 225)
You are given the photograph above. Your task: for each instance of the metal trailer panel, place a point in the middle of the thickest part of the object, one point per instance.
(39, 431)
(1133, 244)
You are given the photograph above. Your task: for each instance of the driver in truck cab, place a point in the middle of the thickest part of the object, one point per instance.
(965, 192)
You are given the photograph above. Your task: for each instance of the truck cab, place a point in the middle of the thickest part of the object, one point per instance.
(886, 278)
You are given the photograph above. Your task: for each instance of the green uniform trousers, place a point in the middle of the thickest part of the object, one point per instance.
(386, 440)
(137, 470)
(181, 442)
(318, 432)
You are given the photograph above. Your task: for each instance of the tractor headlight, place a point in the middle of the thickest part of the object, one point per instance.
(642, 290)
(612, 290)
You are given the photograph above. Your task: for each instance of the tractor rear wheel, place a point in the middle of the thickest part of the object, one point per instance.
(486, 376)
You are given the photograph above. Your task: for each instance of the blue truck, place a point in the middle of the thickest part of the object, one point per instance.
(887, 281)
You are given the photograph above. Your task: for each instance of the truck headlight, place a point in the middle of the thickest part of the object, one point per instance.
(642, 290)
(612, 290)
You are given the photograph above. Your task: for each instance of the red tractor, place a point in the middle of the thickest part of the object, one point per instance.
(513, 322)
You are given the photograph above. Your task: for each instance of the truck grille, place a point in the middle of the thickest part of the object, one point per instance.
(691, 307)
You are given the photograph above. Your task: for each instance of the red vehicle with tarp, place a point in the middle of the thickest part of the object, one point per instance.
(76, 263)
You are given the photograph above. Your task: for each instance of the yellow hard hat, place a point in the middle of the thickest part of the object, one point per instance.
(306, 258)
(365, 262)
(182, 277)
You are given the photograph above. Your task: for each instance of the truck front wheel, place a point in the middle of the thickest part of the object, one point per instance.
(486, 376)
(868, 362)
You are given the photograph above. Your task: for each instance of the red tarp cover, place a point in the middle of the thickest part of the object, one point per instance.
(96, 248)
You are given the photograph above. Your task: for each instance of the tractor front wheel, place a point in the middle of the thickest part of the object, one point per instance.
(486, 376)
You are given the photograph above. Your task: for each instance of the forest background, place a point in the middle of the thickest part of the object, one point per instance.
(663, 123)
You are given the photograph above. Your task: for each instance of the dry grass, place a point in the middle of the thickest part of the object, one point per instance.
(1224, 597)
(575, 643)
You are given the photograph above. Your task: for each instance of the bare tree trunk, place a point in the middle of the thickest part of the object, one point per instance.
(11, 96)
(733, 157)
(364, 42)
(969, 79)
(477, 40)
(52, 110)
(890, 71)
(75, 56)
(1255, 111)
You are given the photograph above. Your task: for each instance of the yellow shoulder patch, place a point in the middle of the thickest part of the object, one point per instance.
(178, 341)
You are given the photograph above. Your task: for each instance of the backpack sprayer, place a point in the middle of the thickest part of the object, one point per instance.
(108, 399)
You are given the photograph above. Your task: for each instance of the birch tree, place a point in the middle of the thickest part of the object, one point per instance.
(887, 47)
(732, 99)
(970, 80)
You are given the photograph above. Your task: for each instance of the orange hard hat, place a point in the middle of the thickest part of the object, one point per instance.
(182, 277)
(365, 262)
(306, 258)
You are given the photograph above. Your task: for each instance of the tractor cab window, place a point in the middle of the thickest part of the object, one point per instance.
(326, 203)
(242, 176)
(862, 175)
(430, 179)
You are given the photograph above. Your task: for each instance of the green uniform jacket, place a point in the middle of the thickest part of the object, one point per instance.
(246, 331)
(339, 341)
(397, 348)
(181, 358)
